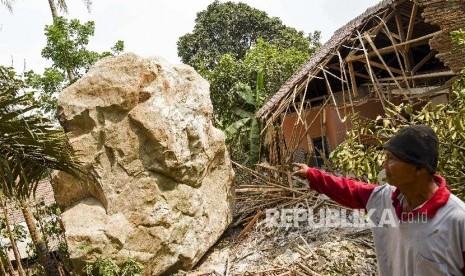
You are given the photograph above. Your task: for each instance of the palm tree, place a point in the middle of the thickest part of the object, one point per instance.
(30, 146)
(61, 4)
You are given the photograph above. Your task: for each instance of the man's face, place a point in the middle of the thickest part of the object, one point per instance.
(398, 172)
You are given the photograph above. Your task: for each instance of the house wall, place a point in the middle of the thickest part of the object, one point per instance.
(449, 15)
(335, 130)
(290, 128)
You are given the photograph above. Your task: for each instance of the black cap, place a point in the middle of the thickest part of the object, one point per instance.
(416, 144)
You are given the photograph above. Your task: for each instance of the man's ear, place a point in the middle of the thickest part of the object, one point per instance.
(421, 170)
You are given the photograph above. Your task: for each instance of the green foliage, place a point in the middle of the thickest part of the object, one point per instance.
(49, 85)
(66, 45)
(234, 86)
(230, 45)
(107, 267)
(459, 37)
(10, 83)
(30, 146)
(232, 28)
(275, 63)
(244, 134)
(448, 120)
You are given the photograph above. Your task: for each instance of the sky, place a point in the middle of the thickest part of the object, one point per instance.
(151, 27)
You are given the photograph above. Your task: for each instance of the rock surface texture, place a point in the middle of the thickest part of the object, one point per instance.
(160, 180)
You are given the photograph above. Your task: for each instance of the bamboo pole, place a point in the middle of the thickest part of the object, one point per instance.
(373, 46)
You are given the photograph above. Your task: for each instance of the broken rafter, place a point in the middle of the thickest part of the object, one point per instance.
(390, 49)
(411, 24)
(330, 91)
(400, 27)
(357, 74)
(344, 74)
(397, 56)
(374, 31)
(370, 71)
(424, 60)
(352, 79)
(381, 66)
(424, 76)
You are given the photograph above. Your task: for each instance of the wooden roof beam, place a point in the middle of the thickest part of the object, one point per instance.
(424, 76)
(381, 66)
(335, 66)
(424, 60)
(390, 49)
(411, 24)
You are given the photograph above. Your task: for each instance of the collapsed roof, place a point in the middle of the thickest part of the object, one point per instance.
(396, 44)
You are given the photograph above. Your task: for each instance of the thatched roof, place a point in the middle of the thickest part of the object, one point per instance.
(327, 50)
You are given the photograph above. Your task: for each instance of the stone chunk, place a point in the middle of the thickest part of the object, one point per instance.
(159, 186)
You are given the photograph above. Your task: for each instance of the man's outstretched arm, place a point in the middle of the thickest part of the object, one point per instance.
(345, 191)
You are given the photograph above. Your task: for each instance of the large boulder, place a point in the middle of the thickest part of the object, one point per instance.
(159, 180)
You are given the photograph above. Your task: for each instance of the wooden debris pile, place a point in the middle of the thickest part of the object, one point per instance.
(263, 250)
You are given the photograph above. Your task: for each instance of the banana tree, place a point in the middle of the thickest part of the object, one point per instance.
(248, 124)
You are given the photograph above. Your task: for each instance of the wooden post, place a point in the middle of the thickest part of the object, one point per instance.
(352, 79)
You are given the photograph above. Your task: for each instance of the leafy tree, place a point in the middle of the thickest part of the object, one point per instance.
(276, 63)
(66, 46)
(67, 42)
(231, 45)
(232, 28)
(233, 79)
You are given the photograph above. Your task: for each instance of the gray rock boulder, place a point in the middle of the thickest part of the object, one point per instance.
(160, 180)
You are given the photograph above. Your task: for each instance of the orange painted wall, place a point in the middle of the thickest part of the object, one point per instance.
(290, 128)
(335, 128)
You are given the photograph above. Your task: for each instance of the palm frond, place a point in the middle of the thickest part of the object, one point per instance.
(88, 4)
(8, 4)
(62, 5)
(30, 146)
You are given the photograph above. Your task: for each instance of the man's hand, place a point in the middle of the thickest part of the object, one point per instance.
(301, 171)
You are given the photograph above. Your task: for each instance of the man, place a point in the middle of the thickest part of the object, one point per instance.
(428, 237)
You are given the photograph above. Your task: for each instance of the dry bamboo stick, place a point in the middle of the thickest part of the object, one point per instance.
(381, 66)
(389, 34)
(307, 269)
(316, 116)
(411, 24)
(425, 76)
(341, 65)
(250, 224)
(370, 71)
(332, 94)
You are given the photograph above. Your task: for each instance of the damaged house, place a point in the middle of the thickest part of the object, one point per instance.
(398, 50)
